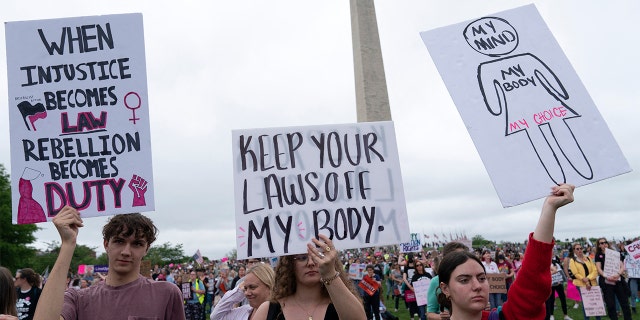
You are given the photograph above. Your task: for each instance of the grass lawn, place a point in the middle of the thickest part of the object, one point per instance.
(575, 314)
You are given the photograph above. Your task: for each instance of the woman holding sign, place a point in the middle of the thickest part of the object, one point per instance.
(464, 284)
(582, 270)
(313, 285)
(612, 285)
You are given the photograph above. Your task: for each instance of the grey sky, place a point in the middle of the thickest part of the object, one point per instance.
(215, 66)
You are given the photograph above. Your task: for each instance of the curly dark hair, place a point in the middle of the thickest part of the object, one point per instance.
(31, 276)
(285, 284)
(130, 224)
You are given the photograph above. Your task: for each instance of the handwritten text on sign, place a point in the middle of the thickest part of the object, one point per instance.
(612, 262)
(78, 117)
(592, 301)
(294, 183)
(497, 283)
(634, 250)
(414, 245)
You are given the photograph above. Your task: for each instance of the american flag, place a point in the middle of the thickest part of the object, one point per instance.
(197, 257)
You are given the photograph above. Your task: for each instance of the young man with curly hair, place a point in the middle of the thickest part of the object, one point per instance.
(125, 294)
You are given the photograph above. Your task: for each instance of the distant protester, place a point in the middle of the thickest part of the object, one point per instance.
(28, 293)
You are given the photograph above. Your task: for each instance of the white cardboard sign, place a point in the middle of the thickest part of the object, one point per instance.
(420, 288)
(294, 183)
(634, 250)
(592, 301)
(528, 114)
(79, 117)
(632, 266)
(414, 245)
(612, 262)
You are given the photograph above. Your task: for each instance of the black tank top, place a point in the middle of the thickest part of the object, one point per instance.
(275, 312)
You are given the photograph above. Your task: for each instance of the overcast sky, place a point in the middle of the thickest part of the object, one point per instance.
(215, 66)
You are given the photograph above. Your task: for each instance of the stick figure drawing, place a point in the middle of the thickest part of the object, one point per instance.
(508, 84)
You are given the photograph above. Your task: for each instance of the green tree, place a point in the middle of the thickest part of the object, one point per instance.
(479, 241)
(102, 259)
(81, 255)
(15, 251)
(165, 254)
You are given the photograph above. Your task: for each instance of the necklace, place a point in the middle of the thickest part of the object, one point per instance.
(309, 315)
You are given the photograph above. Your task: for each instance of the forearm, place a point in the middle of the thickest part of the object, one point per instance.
(546, 224)
(52, 298)
(346, 303)
(226, 303)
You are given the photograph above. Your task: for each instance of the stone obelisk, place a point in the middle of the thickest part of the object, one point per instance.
(372, 99)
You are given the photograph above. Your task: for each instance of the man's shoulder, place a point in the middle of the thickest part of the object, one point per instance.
(161, 285)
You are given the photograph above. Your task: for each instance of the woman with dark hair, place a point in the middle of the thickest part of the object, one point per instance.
(28, 293)
(313, 285)
(420, 274)
(464, 284)
(612, 285)
(7, 296)
(557, 286)
(242, 271)
(409, 269)
(396, 276)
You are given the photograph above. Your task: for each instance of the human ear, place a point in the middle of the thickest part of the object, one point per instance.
(444, 288)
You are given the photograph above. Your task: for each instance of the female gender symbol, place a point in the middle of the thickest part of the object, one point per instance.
(133, 109)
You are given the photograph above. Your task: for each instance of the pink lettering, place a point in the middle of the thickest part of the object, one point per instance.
(518, 125)
(546, 115)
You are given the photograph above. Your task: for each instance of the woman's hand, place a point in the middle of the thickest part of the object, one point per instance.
(324, 254)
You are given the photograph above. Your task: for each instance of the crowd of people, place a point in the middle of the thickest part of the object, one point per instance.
(320, 283)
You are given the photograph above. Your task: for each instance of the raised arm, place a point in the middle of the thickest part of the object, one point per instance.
(560, 196)
(67, 221)
(534, 278)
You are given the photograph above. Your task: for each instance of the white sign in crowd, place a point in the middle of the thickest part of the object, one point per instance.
(294, 183)
(79, 117)
(529, 115)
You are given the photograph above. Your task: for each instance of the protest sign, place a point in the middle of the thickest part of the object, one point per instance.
(186, 290)
(292, 184)
(592, 301)
(421, 287)
(634, 249)
(145, 268)
(412, 246)
(528, 114)
(497, 282)
(356, 271)
(369, 285)
(632, 266)
(79, 117)
(101, 268)
(611, 263)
